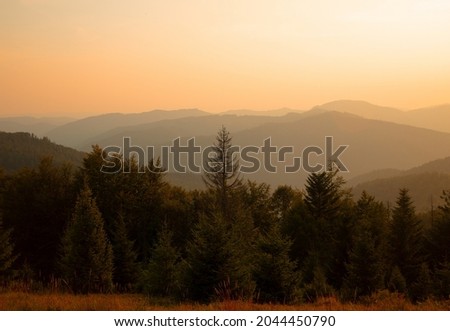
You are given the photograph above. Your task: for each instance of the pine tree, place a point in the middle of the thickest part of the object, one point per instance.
(125, 266)
(366, 264)
(87, 259)
(405, 238)
(275, 273)
(222, 171)
(220, 258)
(162, 276)
(322, 195)
(326, 227)
(365, 269)
(7, 257)
(207, 257)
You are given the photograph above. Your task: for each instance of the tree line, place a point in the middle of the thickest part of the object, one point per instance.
(236, 239)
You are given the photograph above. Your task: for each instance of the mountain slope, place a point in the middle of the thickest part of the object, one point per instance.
(372, 144)
(38, 126)
(73, 134)
(425, 189)
(434, 118)
(21, 149)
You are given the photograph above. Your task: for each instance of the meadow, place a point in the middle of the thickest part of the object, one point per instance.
(25, 301)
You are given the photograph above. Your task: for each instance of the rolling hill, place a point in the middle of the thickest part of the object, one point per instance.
(37, 126)
(434, 118)
(73, 134)
(21, 149)
(373, 144)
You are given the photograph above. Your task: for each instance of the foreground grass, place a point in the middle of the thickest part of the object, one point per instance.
(133, 302)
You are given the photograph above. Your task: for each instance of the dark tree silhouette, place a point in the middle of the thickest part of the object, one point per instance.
(87, 259)
(222, 170)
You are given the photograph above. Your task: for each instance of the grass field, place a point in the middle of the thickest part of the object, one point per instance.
(98, 302)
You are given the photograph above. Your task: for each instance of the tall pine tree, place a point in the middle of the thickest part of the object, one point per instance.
(222, 172)
(406, 238)
(87, 259)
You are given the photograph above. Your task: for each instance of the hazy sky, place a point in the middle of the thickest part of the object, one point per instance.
(81, 57)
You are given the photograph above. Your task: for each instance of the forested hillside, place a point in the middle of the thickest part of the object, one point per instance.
(22, 149)
(90, 231)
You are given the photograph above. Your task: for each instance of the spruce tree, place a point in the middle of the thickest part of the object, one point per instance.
(325, 227)
(275, 273)
(162, 275)
(222, 171)
(366, 264)
(207, 257)
(220, 258)
(406, 238)
(125, 266)
(87, 259)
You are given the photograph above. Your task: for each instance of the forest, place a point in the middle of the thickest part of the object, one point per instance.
(84, 231)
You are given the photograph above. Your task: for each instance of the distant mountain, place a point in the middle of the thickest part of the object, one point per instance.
(249, 112)
(73, 134)
(163, 132)
(434, 118)
(21, 149)
(425, 189)
(436, 166)
(363, 109)
(425, 182)
(38, 126)
(372, 144)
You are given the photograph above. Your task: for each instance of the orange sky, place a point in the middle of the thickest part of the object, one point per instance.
(76, 58)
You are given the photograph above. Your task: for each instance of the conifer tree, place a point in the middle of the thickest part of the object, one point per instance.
(207, 257)
(275, 273)
(405, 238)
(220, 258)
(87, 259)
(324, 227)
(366, 264)
(222, 171)
(125, 266)
(162, 275)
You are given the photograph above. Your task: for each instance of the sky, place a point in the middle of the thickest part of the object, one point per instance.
(84, 57)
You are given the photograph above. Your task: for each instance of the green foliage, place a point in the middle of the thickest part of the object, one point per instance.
(137, 193)
(219, 258)
(366, 264)
(322, 198)
(406, 238)
(275, 273)
(7, 256)
(257, 201)
(221, 171)
(162, 276)
(125, 266)
(422, 287)
(37, 204)
(20, 149)
(442, 281)
(397, 282)
(207, 257)
(87, 259)
(283, 199)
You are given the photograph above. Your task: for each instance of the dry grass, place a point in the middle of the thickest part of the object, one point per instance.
(100, 302)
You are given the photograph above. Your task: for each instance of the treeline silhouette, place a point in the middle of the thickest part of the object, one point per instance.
(133, 232)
